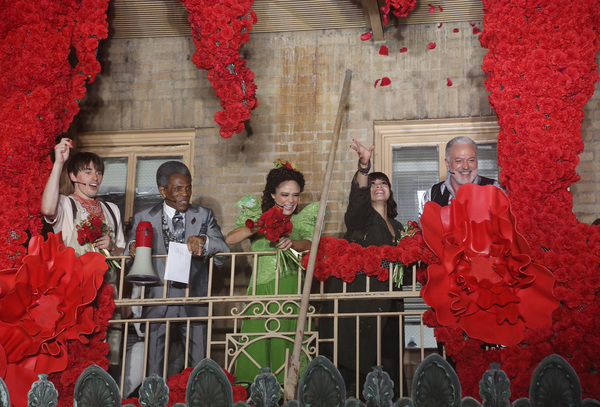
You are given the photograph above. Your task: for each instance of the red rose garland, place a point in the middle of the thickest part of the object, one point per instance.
(219, 29)
(39, 91)
(342, 259)
(541, 71)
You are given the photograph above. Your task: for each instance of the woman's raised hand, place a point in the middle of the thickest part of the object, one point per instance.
(364, 154)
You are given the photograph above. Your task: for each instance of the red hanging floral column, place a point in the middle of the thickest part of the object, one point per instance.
(47, 55)
(219, 29)
(541, 71)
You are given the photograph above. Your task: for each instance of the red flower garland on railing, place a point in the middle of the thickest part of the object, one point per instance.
(39, 90)
(541, 71)
(220, 28)
(342, 259)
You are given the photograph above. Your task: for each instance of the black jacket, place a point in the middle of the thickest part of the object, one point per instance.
(364, 224)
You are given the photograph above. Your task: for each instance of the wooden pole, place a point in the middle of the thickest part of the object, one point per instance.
(291, 380)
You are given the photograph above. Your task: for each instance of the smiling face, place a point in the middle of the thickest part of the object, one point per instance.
(87, 181)
(462, 164)
(380, 191)
(287, 196)
(178, 192)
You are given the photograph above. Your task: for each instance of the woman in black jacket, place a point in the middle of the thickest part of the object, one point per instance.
(370, 221)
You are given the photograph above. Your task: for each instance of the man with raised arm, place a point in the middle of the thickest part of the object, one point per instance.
(64, 213)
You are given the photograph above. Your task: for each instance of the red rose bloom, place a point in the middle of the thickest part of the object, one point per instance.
(487, 282)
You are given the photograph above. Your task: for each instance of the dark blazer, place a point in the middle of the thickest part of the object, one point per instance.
(198, 221)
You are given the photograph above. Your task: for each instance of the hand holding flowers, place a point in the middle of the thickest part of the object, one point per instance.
(272, 223)
(94, 232)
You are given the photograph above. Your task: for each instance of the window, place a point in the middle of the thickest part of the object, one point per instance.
(412, 153)
(130, 163)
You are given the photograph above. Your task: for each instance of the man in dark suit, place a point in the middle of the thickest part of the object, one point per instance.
(177, 220)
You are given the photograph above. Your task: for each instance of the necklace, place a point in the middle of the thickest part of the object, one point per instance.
(92, 206)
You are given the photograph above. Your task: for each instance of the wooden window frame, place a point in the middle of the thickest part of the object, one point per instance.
(429, 132)
(131, 143)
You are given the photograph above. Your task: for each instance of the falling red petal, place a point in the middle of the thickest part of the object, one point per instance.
(385, 81)
(385, 19)
(476, 30)
(366, 36)
(376, 82)
(403, 49)
(455, 30)
(431, 45)
(440, 25)
(383, 50)
(385, 9)
(449, 82)
(472, 24)
(441, 9)
(431, 8)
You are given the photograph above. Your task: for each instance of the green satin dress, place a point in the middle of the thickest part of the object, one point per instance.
(272, 352)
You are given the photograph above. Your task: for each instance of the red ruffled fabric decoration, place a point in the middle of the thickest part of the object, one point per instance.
(43, 304)
(487, 282)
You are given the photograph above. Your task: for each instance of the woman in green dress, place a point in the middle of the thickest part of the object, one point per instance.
(283, 188)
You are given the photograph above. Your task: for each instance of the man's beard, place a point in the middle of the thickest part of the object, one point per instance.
(460, 180)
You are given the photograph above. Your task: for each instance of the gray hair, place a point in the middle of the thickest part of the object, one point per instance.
(164, 172)
(459, 140)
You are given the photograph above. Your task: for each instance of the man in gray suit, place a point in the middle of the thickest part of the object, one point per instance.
(177, 220)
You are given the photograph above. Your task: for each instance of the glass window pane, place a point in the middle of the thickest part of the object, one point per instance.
(414, 170)
(487, 158)
(114, 182)
(146, 190)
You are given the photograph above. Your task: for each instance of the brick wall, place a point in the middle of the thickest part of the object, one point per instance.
(152, 83)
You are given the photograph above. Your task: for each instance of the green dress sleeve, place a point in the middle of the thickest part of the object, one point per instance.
(250, 209)
(305, 222)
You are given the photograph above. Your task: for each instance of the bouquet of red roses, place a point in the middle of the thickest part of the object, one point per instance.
(274, 224)
(91, 229)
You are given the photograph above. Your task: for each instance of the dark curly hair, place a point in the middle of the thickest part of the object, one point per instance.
(392, 206)
(274, 178)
